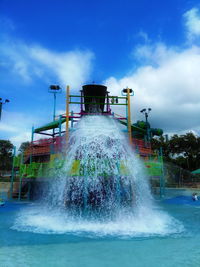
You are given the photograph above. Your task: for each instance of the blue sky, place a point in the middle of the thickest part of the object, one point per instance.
(110, 29)
(151, 46)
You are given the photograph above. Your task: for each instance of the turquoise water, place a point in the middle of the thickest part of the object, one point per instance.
(96, 221)
(98, 245)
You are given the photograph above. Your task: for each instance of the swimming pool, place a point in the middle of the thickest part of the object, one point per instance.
(86, 247)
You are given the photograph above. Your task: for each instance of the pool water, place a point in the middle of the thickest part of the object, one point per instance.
(87, 247)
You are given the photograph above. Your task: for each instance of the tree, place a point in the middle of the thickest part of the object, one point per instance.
(186, 149)
(24, 146)
(6, 148)
(157, 143)
(183, 150)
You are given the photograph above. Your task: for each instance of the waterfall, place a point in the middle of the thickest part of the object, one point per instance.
(102, 188)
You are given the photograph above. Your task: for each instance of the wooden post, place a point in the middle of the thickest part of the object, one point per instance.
(67, 114)
(129, 115)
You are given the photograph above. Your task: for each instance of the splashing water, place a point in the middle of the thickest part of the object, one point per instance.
(109, 174)
(102, 189)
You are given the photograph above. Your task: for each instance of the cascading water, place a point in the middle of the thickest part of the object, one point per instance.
(102, 188)
(109, 174)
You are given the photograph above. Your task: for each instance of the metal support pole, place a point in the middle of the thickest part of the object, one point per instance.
(1, 105)
(12, 173)
(32, 134)
(67, 114)
(72, 119)
(127, 112)
(162, 177)
(60, 125)
(107, 106)
(54, 111)
(54, 107)
(32, 138)
(0, 109)
(129, 115)
(82, 101)
(20, 178)
(146, 119)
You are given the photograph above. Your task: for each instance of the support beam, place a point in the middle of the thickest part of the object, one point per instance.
(129, 115)
(20, 178)
(60, 125)
(12, 173)
(67, 114)
(72, 119)
(162, 176)
(32, 138)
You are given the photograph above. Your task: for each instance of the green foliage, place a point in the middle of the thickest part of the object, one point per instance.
(182, 150)
(6, 148)
(23, 146)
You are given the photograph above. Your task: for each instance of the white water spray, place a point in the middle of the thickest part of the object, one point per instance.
(102, 188)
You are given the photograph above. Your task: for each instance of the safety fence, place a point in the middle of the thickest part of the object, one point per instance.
(45, 146)
(176, 176)
(55, 145)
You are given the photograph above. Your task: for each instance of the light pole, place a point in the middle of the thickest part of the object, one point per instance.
(54, 89)
(146, 112)
(128, 92)
(1, 104)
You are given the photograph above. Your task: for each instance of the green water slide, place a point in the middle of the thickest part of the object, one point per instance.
(49, 126)
(134, 127)
(140, 128)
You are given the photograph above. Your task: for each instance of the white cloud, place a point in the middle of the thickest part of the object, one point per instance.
(170, 86)
(192, 22)
(153, 54)
(167, 80)
(71, 68)
(17, 127)
(20, 138)
(7, 128)
(31, 61)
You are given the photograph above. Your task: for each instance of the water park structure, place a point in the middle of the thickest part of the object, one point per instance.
(44, 157)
